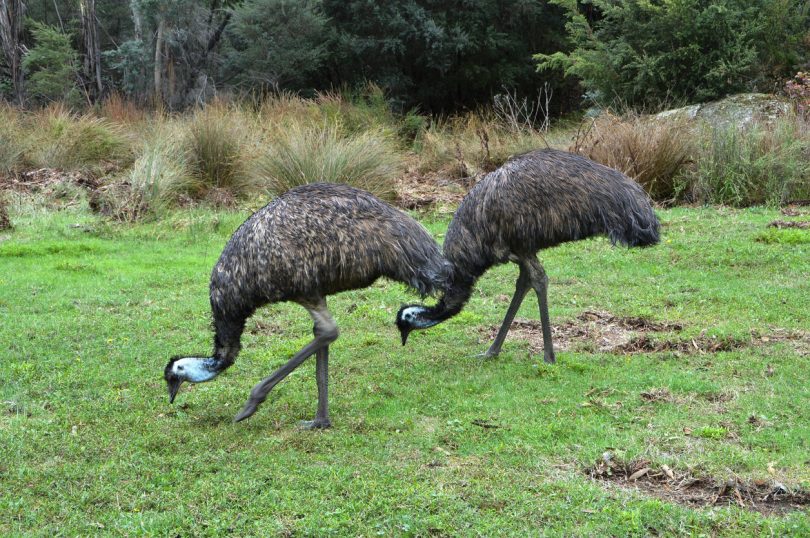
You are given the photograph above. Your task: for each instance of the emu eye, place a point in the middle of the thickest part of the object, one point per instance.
(180, 368)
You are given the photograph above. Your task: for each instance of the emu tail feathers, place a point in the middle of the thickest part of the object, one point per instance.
(633, 222)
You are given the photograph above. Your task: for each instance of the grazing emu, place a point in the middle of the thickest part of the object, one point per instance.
(312, 241)
(534, 201)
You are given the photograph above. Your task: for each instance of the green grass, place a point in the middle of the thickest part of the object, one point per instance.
(91, 311)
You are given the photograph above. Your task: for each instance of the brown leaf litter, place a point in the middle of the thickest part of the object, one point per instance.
(591, 329)
(768, 497)
(597, 331)
(782, 224)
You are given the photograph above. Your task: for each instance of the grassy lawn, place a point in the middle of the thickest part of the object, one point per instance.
(427, 439)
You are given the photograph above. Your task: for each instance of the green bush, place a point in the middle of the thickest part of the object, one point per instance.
(51, 66)
(302, 155)
(650, 53)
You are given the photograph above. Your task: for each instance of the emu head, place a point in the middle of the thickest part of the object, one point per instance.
(411, 317)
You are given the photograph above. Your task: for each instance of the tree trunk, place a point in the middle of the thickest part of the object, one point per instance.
(11, 20)
(159, 61)
(92, 46)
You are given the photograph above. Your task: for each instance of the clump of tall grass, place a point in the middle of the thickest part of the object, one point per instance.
(5, 221)
(157, 181)
(216, 147)
(304, 154)
(61, 139)
(757, 164)
(12, 140)
(652, 150)
(118, 109)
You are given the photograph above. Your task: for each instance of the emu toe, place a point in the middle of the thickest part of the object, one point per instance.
(317, 424)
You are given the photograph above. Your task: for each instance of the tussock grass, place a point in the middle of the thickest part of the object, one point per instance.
(158, 180)
(119, 110)
(215, 145)
(302, 155)
(653, 151)
(61, 139)
(12, 140)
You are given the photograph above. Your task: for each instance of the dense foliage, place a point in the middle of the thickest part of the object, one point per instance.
(437, 56)
(646, 53)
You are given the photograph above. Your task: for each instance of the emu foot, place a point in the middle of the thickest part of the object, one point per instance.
(549, 358)
(317, 424)
(250, 407)
(488, 354)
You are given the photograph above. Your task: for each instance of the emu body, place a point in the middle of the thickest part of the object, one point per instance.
(534, 201)
(311, 242)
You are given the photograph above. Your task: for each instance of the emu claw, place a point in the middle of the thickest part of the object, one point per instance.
(317, 424)
(485, 355)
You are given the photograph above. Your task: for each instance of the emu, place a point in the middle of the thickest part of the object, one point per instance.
(313, 241)
(534, 201)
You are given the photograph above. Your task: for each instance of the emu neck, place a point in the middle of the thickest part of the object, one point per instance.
(450, 304)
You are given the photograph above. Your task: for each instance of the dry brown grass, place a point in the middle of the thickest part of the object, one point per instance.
(119, 110)
(653, 151)
(474, 144)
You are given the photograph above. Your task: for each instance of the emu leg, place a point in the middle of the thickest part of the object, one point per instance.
(322, 376)
(540, 285)
(521, 287)
(325, 333)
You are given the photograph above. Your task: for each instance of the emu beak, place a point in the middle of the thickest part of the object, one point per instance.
(174, 388)
(404, 334)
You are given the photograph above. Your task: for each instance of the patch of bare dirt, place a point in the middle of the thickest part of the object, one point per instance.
(603, 332)
(793, 211)
(645, 344)
(781, 224)
(593, 330)
(766, 497)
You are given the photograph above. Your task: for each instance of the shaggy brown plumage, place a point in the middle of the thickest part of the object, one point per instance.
(313, 241)
(534, 201)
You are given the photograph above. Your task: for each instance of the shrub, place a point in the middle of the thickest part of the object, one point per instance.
(762, 163)
(67, 141)
(651, 150)
(51, 65)
(302, 155)
(646, 53)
